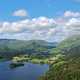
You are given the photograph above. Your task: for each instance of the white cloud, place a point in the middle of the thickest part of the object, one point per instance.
(71, 14)
(21, 13)
(36, 28)
(73, 26)
(24, 25)
(42, 28)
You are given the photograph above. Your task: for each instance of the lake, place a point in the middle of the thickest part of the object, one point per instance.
(29, 71)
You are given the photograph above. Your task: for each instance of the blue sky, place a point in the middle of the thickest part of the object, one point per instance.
(36, 8)
(51, 20)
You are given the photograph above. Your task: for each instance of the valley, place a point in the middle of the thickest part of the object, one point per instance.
(63, 59)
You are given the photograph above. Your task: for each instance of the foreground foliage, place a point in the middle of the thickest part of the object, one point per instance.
(64, 70)
(69, 67)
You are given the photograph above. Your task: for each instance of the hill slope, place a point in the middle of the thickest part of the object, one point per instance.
(12, 47)
(70, 46)
(69, 67)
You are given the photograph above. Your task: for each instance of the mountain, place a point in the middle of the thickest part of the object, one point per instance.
(70, 46)
(67, 68)
(12, 47)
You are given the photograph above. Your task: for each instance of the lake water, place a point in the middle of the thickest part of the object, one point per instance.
(27, 72)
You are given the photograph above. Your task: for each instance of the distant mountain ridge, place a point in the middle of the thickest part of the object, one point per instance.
(12, 47)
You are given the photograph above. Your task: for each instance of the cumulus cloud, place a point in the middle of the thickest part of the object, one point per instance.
(42, 28)
(35, 28)
(71, 14)
(73, 26)
(20, 13)
(27, 24)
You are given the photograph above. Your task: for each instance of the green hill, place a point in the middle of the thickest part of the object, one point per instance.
(69, 67)
(70, 46)
(12, 47)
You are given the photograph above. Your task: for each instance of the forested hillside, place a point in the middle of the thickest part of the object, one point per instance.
(69, 67)
(12, 47)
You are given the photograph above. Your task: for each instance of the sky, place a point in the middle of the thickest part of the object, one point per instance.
(51, 20)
